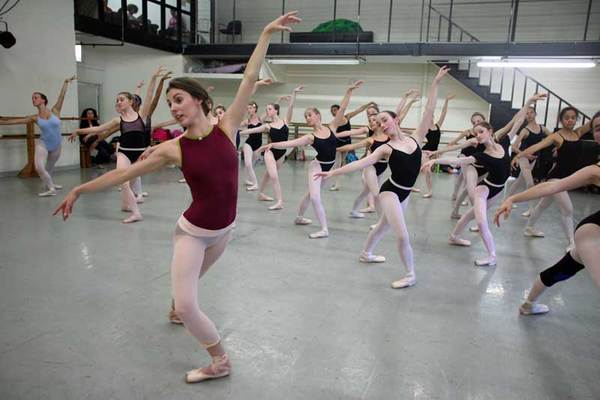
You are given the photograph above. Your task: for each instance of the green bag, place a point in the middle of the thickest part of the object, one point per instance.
(341, 25)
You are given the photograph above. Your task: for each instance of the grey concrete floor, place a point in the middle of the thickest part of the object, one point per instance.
(83, 304)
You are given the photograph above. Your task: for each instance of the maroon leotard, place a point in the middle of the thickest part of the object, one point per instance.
(210, 167)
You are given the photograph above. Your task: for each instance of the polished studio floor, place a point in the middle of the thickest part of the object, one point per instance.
(83, 304)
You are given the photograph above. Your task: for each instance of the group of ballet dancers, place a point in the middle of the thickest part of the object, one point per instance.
(207, 155)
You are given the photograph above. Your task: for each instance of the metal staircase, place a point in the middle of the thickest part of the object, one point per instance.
(506, 90)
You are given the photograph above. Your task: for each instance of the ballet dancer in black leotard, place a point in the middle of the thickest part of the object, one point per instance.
(133, 140)
(278, 132)
(495, 160)
(586, 253)
(530, 135)
(433, 137)
(371, 175)
(567, 162)
(403, 152)
(323, 139)
(340, 158)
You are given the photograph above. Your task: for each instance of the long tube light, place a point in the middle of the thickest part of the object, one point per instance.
(536, 64)
(316, 61)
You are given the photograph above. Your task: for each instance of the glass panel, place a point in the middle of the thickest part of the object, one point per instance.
(313, 14)
(171, 3)
(171, 24)
(548, 21)
(87, 8)
(112, 12)
(203, 21)
(153, 18)
(186, 5)
(186, 28)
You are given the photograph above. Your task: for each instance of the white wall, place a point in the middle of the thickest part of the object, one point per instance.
(41, 59)
(384, 84)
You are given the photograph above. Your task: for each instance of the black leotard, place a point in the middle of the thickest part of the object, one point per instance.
(433, 139)
(380, 165)
(532, 139)
(405, 170)
(254, 140)
(132, 142)
(279, 135)
(345, 140)
(370, 133)
(325, 151)
(498, 170)
(567, 159)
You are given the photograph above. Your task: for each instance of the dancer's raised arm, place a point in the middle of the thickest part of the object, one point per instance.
(146, 108)
(57, 107)
(377, 155)
(427, 117)
(360, 109)
(339, 117)
(290, 108)
(235, 113)
(442, 117)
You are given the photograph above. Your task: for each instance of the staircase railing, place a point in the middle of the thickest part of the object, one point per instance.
(519, 79)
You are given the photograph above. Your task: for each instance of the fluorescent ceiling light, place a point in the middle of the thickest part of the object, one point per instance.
(316, 61)
(491, 58)
(536, 64)
(78, 52)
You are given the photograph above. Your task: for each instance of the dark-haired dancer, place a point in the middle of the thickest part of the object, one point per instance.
(568, 155)
(133, 139)
(207, 156)
(403, 152)
(47, 149)
(495, 161)
(586, 253)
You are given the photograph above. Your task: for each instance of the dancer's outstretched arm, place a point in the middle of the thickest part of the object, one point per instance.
(448, 160)
(442, 117)
(467, 143)
(378, 154)
(259, 129)
(427, 117)
(353, 146)
(517, 120)
(585, 176)
(363, 130)
(235, 113)
(110, 126)
(57, 107)
(290, 108)
(165, 154)
(360, 109)
(339, 117)
(305, 140)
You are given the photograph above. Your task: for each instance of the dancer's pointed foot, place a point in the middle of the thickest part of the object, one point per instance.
(218, 368)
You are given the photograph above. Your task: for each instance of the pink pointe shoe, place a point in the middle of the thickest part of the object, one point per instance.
(219, 367)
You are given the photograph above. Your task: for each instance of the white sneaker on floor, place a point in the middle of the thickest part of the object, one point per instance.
(532, 232)
(486, 262)
(408, 281)
(370, 258)
(474, 228)
(528, 308)
(145, 194)
(302, 221)
(47, 193)
(367, 210)
(57, 187)
(182, 180)
(526, 214)
(356, 214)
(334, 188)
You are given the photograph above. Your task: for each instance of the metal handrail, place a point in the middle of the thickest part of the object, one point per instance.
(454, 24)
